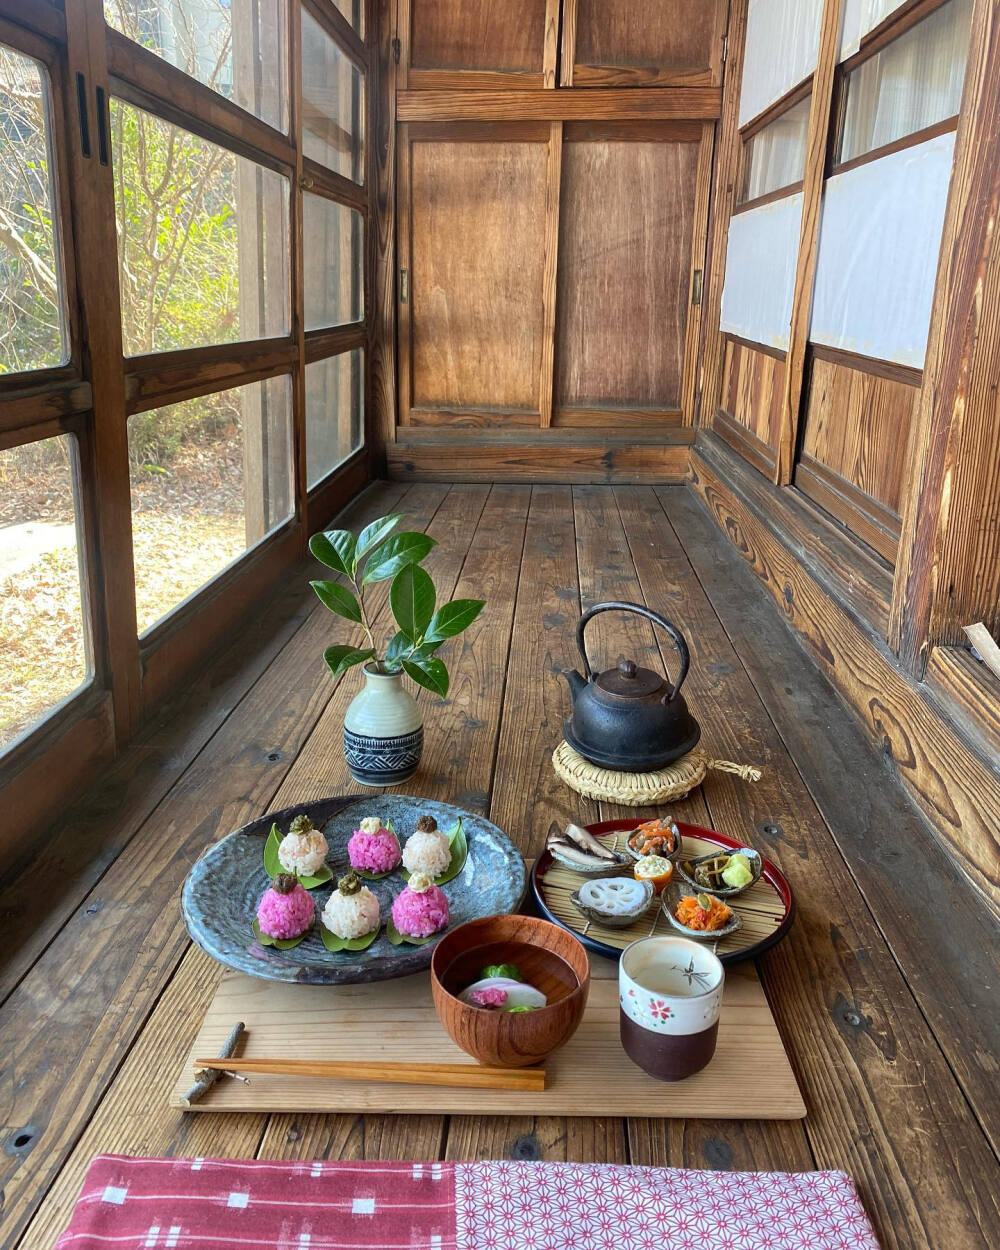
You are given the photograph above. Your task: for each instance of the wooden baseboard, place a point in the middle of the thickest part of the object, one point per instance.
(594, 460)
(953, 774)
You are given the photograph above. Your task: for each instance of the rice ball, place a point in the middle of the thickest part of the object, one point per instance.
(427, 851)
(352, 910)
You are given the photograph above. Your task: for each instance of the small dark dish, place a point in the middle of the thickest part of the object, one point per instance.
(670, 854)
(616, 920)
(687, 867)
(672, 895)
(548, 957)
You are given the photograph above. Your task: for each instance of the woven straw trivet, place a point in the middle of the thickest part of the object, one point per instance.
(641, 789)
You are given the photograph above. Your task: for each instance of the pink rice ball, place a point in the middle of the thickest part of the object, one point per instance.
(285, 915)
(420, 915)
(374, 852)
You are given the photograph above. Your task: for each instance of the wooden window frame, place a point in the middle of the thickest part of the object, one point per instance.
(788, 101)
(93, 394)
(886, 33)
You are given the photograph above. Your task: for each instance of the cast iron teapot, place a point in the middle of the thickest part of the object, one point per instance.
(630, 718)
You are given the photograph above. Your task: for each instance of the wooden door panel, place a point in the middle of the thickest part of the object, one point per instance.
(626, 224)
(635, 43)
(472, 215)
(478, 43)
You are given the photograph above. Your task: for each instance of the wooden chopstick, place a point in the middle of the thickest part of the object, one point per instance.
(451, 1074)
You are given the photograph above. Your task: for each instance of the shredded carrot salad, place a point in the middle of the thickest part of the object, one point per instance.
(693, 916)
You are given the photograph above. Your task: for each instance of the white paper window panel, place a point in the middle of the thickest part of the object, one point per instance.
(781, 50)
(880, 236)
(760, 271)
(861, 16)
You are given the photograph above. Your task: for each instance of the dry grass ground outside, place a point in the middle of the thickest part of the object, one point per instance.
(187, 525)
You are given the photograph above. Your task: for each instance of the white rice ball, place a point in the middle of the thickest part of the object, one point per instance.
(302, 853)
(427, 852)
(351, 915)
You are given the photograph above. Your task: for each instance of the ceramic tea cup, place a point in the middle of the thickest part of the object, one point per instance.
(670, 996)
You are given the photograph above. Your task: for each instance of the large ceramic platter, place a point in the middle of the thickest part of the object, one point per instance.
(221, 893)
(767, 908)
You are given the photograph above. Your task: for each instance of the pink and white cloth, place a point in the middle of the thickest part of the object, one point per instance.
(216, 1204)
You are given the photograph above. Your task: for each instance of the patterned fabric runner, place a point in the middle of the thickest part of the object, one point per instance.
(212, 1204)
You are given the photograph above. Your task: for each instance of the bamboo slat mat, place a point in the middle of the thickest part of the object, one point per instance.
(761, 907)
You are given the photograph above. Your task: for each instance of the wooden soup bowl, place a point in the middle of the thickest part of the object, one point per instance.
(503, 1039)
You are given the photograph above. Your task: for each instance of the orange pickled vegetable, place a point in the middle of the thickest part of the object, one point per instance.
(654, 869)
(693, 915)
(654, 837)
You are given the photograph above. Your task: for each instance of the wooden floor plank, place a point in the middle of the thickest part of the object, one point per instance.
(888, 845)
(480, 561)
(69, 1025)
(93, 832)
(528, 800)
(882, 1102)
(608, 573)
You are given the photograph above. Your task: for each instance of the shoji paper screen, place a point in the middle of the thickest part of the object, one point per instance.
(861, 16)
(781, 50)
(878, 252)
(760, 271)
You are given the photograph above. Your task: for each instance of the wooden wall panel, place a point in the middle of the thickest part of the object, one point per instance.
(858, 425)
(477, 40)
(753, 384)
(476, 239)
(633, 41)
(625, 229)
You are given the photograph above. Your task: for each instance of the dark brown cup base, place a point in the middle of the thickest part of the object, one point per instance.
(666, 1057)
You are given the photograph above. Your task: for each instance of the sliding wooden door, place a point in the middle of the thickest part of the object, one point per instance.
(550, 272)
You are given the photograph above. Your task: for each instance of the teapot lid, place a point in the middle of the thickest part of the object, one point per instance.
(628, 681)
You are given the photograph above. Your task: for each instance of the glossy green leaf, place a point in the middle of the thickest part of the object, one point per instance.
(411, 597)
(336, 550)
(373, 534)
(281, 944)
(341, 658)
(395, 554)
(428, 671)
(451, 618)
(335, 944)
(272, 865)
(338, 599)
(397, 938)
(398, 647)
(318, 878)
(374, 876)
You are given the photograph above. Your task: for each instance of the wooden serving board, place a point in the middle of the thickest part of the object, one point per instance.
(749, 1078)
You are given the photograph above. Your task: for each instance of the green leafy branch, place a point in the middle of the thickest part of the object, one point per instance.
(376, 555)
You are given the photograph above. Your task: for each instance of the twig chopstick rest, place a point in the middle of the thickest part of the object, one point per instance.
(204, 1080)
(460, 1075)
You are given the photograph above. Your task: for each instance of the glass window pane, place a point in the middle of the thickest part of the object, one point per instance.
(236, 47)
(775, 156)
(333, 250)
(914, 82)
(333, 113)
(354, 11)
(32, 334)
(203, 238)
(43, 652)
(335, 412)
(210, 477)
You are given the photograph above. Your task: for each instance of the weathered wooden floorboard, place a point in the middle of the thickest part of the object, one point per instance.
(882, 1102)
(67, 1028)
(608, 572)
(945, 941)
(88, 838)
(528, 800)
(476, 561)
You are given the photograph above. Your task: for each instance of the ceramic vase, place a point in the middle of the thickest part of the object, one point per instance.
(383, 731)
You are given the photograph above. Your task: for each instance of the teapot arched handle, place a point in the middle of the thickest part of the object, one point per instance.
(637, 609)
